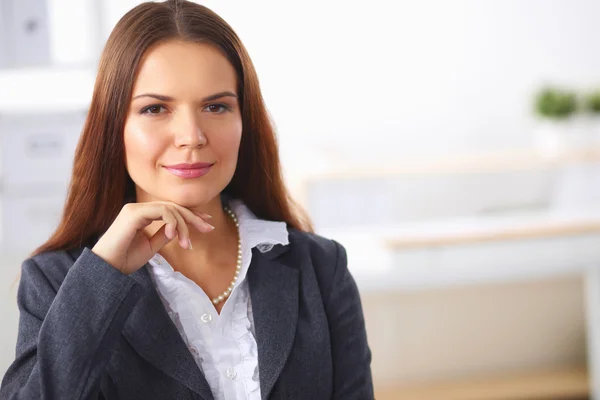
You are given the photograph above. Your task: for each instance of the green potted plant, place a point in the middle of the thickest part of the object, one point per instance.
(592, 103)
(563, 128)
(555, 104)
(555, 108)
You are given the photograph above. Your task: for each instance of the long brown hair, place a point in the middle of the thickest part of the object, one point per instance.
(100, 184)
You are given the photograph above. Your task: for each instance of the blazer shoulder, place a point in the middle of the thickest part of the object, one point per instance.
(327, 257)
(320, 248)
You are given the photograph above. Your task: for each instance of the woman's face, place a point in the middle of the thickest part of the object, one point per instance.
(184, 126)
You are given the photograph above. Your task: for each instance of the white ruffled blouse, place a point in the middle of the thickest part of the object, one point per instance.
(223, 345)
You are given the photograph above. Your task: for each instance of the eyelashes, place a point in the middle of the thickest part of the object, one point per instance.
(153, 109)
(157, 109)
(224, 107)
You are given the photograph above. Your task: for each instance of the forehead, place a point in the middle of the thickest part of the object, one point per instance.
(184, 68)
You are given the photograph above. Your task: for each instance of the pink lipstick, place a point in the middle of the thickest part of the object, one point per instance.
(189, 171)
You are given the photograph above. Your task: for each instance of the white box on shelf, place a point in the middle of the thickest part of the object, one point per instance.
(76, 37)
(24, 32)
(46, 90)
(38, 149)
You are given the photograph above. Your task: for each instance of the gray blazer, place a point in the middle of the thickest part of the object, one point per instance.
(87, 331)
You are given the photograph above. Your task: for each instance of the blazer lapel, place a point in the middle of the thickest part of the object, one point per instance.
(274, 291)
(153, 335)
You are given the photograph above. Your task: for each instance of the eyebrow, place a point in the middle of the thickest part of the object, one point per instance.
(169, 98)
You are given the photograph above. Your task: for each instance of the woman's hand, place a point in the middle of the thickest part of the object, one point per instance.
(125, 245)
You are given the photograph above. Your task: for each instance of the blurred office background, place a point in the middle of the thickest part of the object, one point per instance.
(452, 146)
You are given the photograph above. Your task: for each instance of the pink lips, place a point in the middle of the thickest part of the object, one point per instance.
(189, 171)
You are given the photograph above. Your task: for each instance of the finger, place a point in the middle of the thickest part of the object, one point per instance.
(202, 215)
(167, 232)
(171, 223)
(182, 230)
(159, 239)
(145, 213)
(193, 219)
(196, 220)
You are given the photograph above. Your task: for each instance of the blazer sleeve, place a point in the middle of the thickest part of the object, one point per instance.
(350, 350)
(65, 336)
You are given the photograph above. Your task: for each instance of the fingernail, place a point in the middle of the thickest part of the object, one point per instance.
(207, 216)
(190, 244)
(211, 227)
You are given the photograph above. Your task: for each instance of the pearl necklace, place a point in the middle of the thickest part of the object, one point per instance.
(238, 268)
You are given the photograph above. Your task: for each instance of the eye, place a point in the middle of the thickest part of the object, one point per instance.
(217, 108)
(153, 109)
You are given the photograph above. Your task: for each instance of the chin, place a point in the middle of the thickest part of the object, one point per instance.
(191, 199)
(186, 196)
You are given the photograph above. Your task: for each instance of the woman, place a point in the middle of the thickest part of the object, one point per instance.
(181, 268)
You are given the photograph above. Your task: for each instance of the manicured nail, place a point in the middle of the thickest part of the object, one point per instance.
(211, 227)
(202, 215)
(190, 244)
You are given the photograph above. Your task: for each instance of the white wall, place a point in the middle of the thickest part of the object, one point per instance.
(407, 77)
(415, 76)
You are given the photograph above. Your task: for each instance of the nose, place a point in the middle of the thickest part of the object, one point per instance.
(188, 132)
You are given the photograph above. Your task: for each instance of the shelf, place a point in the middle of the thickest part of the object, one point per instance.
(465, 233)
(567, 383)
(516, 160)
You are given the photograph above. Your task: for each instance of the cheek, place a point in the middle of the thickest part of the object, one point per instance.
(227, 143)
(141, 145)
